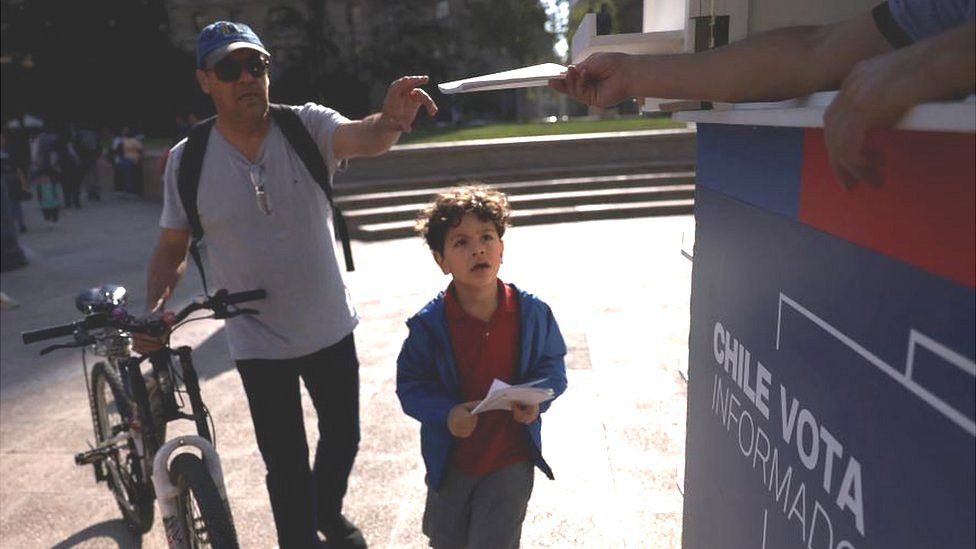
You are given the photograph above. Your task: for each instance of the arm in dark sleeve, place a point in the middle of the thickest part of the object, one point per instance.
(889, 28)
(422, 394)
(550, 363)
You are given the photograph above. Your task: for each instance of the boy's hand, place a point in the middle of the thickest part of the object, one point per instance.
(460, 421)
(525, 413)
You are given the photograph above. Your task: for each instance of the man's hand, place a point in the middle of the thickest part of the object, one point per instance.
(601, 80)
(460, 421)
(525, 413)
(145, 343)
(403, 100)
(878, 91)
(876, 94)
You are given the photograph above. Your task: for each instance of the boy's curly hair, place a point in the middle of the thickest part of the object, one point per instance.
(448, 209)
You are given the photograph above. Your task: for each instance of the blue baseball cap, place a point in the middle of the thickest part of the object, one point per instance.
(218, 39)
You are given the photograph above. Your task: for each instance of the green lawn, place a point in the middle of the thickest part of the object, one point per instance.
(430, 134)
(491, 131)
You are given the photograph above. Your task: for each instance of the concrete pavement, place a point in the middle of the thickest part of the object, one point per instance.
(615, 440)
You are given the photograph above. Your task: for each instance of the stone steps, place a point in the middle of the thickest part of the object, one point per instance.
(650, 174)
(413, 192)
(542, 216)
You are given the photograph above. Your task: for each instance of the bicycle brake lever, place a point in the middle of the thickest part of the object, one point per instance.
(236, 312)
(83, 343)
(47, 350)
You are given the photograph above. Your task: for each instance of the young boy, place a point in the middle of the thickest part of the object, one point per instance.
(479, 467)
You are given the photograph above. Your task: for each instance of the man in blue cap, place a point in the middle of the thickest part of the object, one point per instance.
(269, 225)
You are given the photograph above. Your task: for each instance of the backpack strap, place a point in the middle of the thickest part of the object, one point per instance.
(188, 182)
(306, 148)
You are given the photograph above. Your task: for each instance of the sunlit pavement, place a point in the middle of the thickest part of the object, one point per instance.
(615, 439)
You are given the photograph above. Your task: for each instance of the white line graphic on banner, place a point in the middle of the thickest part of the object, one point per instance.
(765, 517)
(915, 339)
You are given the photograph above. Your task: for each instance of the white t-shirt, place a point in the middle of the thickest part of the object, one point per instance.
(289, 253)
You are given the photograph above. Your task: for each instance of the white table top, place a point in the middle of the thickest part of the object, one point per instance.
(807, 112)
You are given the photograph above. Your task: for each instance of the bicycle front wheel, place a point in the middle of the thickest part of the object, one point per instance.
(113, 411)
(206, 518)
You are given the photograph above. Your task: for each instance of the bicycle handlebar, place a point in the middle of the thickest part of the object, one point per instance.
(121, 320)
(47, 333)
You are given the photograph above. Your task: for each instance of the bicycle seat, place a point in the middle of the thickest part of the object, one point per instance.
(101, 299)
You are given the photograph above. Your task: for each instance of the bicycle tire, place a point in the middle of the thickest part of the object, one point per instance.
(133, 492)
(197, 486)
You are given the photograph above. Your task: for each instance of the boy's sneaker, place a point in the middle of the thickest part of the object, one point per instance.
(343, 534)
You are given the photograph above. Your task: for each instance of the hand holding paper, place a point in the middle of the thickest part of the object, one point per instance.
(526, 77)
(525, 413)
(461, 421)
(501, 396)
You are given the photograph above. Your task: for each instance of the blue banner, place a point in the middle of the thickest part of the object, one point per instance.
(831, 392)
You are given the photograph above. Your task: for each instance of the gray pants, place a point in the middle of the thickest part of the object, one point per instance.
(479, 511)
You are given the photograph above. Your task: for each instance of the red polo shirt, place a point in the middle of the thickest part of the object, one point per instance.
(484, 351)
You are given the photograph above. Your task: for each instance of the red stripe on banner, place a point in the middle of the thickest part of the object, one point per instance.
(921, 213)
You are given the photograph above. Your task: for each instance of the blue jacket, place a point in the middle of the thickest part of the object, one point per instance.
(427, 378)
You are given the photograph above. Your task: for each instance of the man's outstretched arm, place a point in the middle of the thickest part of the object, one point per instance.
(772, 65)
(376, 133)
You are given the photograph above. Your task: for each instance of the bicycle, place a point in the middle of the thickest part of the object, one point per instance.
(130, 411)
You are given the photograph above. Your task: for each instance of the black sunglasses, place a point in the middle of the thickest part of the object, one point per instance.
(229, 69)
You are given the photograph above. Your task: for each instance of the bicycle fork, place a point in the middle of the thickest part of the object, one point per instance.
(167, 492)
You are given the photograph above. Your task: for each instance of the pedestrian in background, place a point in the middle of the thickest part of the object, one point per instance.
(15, 184)
(69, 167)
(129, 162)
(480, 468)
(88, 149)
(115, 157)
(49, 197)
(45, 176)
(11, 254)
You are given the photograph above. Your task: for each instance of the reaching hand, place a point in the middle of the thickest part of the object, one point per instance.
(525, 413)
(601, 80)
(460, 421)
(403, 99)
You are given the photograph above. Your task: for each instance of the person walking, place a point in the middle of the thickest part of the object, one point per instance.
(15, 184)
(269, 225)
(69, 168)
(475, 333)
(11, 254)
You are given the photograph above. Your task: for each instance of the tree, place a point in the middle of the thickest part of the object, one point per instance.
(500, 35)
(98, 63)
(625, 15)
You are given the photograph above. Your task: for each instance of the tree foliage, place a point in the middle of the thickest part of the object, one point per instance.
(625, 15)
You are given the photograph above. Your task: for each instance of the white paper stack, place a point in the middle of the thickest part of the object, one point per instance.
(501, 396)
(526, 77)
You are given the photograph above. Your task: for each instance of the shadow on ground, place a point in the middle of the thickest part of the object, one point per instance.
(115, 531)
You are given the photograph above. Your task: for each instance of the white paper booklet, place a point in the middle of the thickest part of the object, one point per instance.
(526, 77)
(501, 395)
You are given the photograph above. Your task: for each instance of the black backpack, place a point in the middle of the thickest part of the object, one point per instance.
(191, 164)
